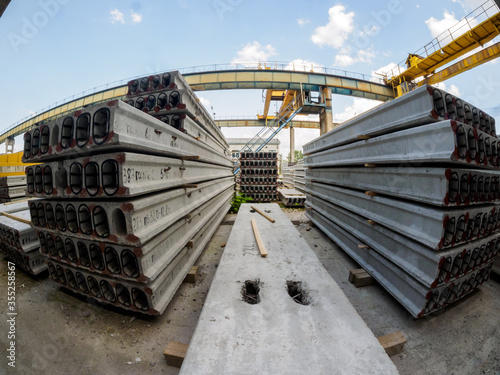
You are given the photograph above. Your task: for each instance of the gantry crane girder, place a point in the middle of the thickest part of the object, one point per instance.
(479, 58)
(418, 66)
(284, 96)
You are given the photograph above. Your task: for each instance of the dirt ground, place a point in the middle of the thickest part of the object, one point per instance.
(59, 332)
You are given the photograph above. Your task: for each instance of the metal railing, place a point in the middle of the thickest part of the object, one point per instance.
(291, 66)
(272, 127)
(486, 10)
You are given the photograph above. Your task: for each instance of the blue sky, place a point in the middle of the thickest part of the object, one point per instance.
(53, 49)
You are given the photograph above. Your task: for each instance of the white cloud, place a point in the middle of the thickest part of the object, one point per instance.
(389, 70)
(334, 34)
(453, 89)
(29, 111)
(254, 52)
(117, 17)
(469, 5)
(302, 136)
(302, 65)
(136, 17)
(358, 106)
(449, 22)
(374, 30)
(302, 21)
(437, 27)
(206, 103)
(344, 59)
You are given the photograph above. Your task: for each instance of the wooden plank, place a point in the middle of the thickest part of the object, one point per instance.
(354, 272)
(360, 277)
(370, 193)
(393, 343)
(16, 218)
(194, 157)
(192, 276)
(263, 214)
(18, 201)
(260, 244)
(174, 353)
(363, 136)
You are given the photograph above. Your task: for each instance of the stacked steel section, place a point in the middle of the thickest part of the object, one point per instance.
(410, 190)
(18, 240)
(131, 199)
(259, 175)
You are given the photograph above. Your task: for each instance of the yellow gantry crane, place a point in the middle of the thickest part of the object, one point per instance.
(284, 96)
(473, 31)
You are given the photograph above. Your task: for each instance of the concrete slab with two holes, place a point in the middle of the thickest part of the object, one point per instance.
(282, 314)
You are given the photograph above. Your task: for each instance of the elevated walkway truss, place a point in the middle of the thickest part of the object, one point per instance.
(233, 76)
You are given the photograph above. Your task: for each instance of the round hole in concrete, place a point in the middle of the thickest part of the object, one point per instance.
(71, 251)
(96, 257)
(67, 129)
(61, 275)
(83, 129)
(298, 292)
(119, 222)
(71, 279)
(129, 264)
(140, 299)
(123, 295)
(82, 283)
(61, 250)
(112, 260)
(107, 291)
(250, 291)
(83, 254)
(94, 287)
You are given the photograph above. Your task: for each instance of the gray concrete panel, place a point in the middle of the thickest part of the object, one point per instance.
(279, 335)
(117, 175)
(436, 186)
(442, 142)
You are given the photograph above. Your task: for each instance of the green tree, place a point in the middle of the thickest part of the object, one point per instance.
(298, 155)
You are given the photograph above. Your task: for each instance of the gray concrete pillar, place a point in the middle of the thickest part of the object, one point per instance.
(292, 144)
(326, 115)
(9, 145)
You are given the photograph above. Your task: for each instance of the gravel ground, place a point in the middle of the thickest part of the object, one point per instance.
(59, 332)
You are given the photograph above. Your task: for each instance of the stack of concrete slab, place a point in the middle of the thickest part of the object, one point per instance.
(410, 190)
(259, 175)
(18, 240)
(282, 314)
(12, 187)
(130, 200)
(291, 197)
(299, 175)
(288, 174)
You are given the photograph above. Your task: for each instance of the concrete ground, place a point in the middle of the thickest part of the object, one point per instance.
(59, 332)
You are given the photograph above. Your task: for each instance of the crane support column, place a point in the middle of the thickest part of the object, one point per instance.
(9, 145)
(326, 116)
(292, 145)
